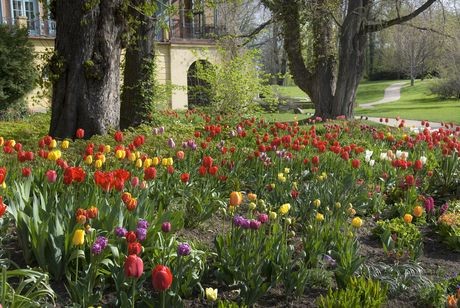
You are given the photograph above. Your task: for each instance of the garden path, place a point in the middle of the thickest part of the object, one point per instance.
(391, 94)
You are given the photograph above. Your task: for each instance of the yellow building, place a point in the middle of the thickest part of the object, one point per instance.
(187, 38)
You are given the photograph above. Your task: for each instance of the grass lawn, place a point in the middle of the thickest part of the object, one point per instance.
(291, 91)
(417, 103)
(368, 91)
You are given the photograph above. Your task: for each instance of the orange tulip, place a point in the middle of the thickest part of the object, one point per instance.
(236, 198)
(417, 211)
(408, 218)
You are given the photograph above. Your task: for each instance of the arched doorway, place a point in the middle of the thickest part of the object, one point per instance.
(198, 90)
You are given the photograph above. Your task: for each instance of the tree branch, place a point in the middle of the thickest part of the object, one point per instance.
(428, 29)
(374, 27)
(249, 36)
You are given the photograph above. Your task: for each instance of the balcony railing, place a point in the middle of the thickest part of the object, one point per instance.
(37, 27)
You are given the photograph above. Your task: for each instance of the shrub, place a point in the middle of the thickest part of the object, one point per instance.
(447, 88)
(234, 84)
(17, 72)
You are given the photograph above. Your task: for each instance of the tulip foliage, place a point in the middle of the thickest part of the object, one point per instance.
(206, 203)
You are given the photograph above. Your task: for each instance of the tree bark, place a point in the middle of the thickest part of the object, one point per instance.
(87, 63)
(139, 83)
(352, 53)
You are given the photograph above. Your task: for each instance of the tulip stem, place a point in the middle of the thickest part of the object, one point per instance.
(134, 293)
(76, 273)
(163, 299)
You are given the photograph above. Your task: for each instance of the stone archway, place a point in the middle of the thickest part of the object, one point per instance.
(198, 90)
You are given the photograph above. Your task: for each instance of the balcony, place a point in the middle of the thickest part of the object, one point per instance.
(37, 27)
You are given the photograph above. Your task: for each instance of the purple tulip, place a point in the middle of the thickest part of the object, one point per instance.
(166, 227)
(184, 249)
(254, 224)
(120, 231)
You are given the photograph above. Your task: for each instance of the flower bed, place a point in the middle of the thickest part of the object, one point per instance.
(121, 221)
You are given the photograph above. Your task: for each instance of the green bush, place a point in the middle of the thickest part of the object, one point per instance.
(17, 70)
(234, 84)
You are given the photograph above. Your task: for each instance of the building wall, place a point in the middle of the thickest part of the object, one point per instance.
(173, 61)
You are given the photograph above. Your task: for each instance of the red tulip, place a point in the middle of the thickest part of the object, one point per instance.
(118, 136)
(26, 172)
(131, 237)
(2, 207)
(134, 248)
(161, 278)
(355, 163)
(80, 133)
(185, 177)
(418, 165)
(207, 161)
(134, 266)
(2, 174)
(150, 173)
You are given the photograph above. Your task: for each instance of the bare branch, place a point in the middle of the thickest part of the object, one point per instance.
(377, 26)
(257, 30)
(428, 29)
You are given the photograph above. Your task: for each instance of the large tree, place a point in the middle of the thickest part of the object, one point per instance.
(336, 38)
(139, 73)
(87, 67)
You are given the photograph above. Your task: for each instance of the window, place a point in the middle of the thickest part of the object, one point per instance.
(29, 9)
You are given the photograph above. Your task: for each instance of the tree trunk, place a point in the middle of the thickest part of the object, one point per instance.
(139, 79)
(86, 89)
(352, 53)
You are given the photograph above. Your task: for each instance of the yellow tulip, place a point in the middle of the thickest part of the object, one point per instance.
(98, 163)
(319, 217)
(132, 157)
(211, 294)
(53, 144)
(170, 161)
(272, 215)
(316, 202)
(155, 161)
(147, 163)
(120, 154)
(107, 148)
(89, 159)
(2, 141)
(139, 163)
(284, 208)
(78, 237)
(65, 144)
(357, 222)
